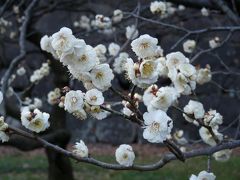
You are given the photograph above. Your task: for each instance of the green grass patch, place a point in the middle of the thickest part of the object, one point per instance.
(22, 167)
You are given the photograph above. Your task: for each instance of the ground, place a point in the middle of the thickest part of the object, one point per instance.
(17, 165)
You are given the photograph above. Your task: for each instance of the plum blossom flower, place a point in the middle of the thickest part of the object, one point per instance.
(213, 118)
(36, 120)
(117, 16)
(195, 109)
(149, 94)
(113, 49)
(158, 126)
(124, 155)
(158, 7)
(119, 62)
(73, 101)
(204, 11)
(144, 46)
(204, 75)
(131, 32)
(203, 175)
(62, 41)
(189, 46)
(223, 155)
(94, 97)
(101, 76)
(80, 149)
(207, 136)
(213, 43)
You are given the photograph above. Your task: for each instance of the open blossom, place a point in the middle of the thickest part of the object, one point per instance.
(204, 75)
(213, 118)
(97, 112)
(101, 76)
(94, 97)
(144, 46)
(158, 7)
(142, 74)
(223, 155)
(73, 101)
(203, 175)
(80, 149)
(119, 62)
(189, 46)
(36, 120)
(3, 127)
(117, 16)
(165, 97)
(62, 41)
(113, 49)
(46, 45)
(195, 109)
(85, 60)
(149, 94)
(124, 155)
(158, 126)
(101, 50)
(207, 136)
(131, 32)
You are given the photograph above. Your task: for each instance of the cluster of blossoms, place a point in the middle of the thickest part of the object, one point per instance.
(203, 175)
(164, 9)
(102, 23)
(194, 112)
(34, 120)
(81, 59)
(40, 73)
(78, 103)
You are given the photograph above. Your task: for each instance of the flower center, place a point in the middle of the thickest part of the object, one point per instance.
(155, 127)
(83, 58)
(74, 100)
(125, 156)
(37, 123)
(93, 98)
(147, 69)
(99, 75)
(144, 45)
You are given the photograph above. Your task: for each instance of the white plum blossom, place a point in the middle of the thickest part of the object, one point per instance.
(53, 96)
(165, 97)
(149, 94)
(21, 71)
(181, 7)
(144, 46)
(207, 136)
(194, 109)
(1, 97)
(98, 113)
(131, 32)
(94, 97)
(213, 43)
(63, 40)
(124, 155)
(119, 62)
(84, 23)
(46, 45)
(158, 126)
(178, 136)
(80, 149)
(189, 46)
(73, 101)
(117, 16)
(223, 155)
(158, 7)
(101, 76)
(101, 51)
(204, 11)
(113, 49)
(142, 74)
(3, 127)
(213, 118)
(203, 175)
(36, 120)
(204, 75)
